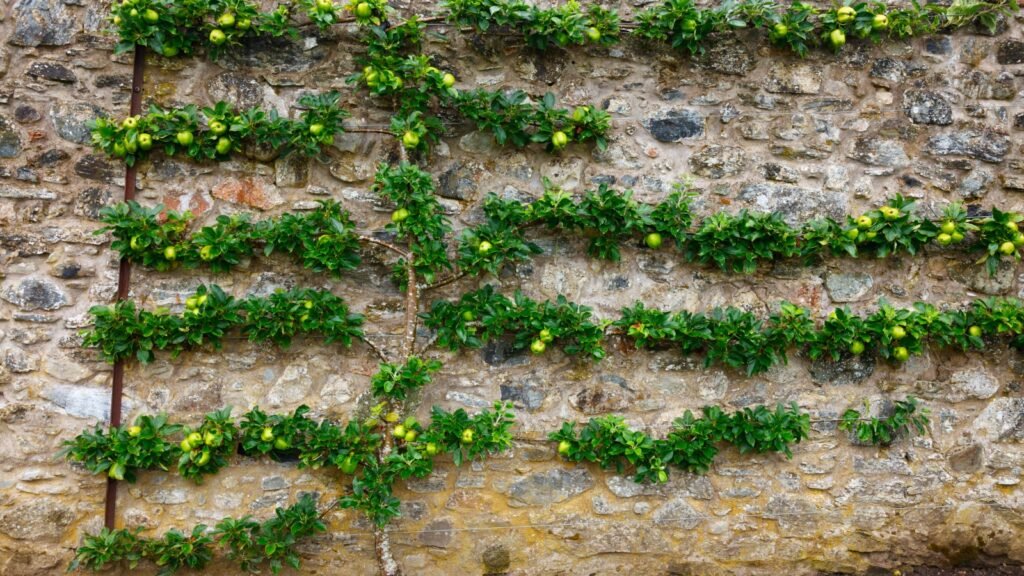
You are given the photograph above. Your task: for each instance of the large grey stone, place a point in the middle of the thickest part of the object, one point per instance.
(877, 151)
(848, 286)
(1010, 51)
(239, 90)
(795, 204)
(529, 394)
(26, 193)
(549, 487)
(42, 23)
(675, 124)
(927, 107)
(677, 513)
(40, 519)
(82, 401)
(716, 161)
(982, 144)
(1002, 420)
(36, 294)
(71, 120)
(51, 71)
(789, 78)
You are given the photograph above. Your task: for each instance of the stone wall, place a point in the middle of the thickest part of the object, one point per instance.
(940, 119)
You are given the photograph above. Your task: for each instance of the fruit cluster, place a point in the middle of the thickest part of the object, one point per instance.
(729, 336)
(323, 239)
(689, 446)
(217, 131)
(905, 417)
(121, 331)
(564, 25)
(250, 543)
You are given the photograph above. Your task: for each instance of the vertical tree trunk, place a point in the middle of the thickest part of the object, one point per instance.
(385, 560)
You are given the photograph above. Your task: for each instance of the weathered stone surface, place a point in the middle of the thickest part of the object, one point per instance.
(984, 145)
(1010, 51)
(550, 487)
(35, 294)
(10, 139)
(675, 125)
(496, 560)
(437, 533)
(789, 78)
(718, 161)
(927, 107)
(793, 203)
(240, 90)
(42, 23)
(81, 401)
(249, 192)
(1002, 420)
(40, 519)
(848, 287)
(877, 151)
(528, 394)
(677, 513)
(844, 372)
(292, 171)
(728, 55)
(17, 193)
(71, 120)
(51, 71)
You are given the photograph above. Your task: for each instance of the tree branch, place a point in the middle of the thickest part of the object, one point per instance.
(384, 244)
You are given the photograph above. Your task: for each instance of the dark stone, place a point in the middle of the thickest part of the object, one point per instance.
(938, 45)
(529, 394)
(10, 140)
(457, 182)
(844, 372)
(675, 125)
(42, 23)
(96, 167)
(1010, 52)
(496, 560)
(51, 71)
(786, 78)
(779, 173)
(1018, 121)
(497, 352)
(36, 294)
(273, 55)
(67, 270)
(26, 174)
(120, 81)
(888, 69)
(26, 114)
(50, 158)
(985, 145)
(925, 107)
(72, 120)
(90, 201)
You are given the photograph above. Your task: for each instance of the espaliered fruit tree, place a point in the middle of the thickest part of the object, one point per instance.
(386, 445)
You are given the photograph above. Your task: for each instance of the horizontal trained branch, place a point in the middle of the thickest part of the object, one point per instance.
(245, 540)
(121, 331)
(326, 238)
(691, 443)
(181, 28)
(214, 133)
(152, 443)
(906, 417)
(730, 337)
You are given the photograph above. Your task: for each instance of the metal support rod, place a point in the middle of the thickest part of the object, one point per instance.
(124, 273)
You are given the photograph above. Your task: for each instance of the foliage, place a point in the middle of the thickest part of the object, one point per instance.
(214, 132)
(418, 218)
(249, 542)
(906, 416)
(530, 322)
(123, 450)
(323, 239)
(121, 331)
(396, 382)
(690, 445)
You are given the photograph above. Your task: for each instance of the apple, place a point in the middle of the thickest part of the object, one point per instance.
(218, 127)
(484, 247)
(880, 22)
(538, 347)
(857, 348)
(780, 30)
(226, 20)
(845, 14)
(559, 139)
(410, 139)
(399, 215)
(593, 34)
(901, 353)
(185, 138)
(948, 227)
(974, 331)
(838, 38)
(653, 240)
(151, 16)
(1007, 248)
(944, 239)
(267, 434)
(448, 80)
(223, 145)
(864, 222)
(563, 447)
(145, 141)
(316, 129)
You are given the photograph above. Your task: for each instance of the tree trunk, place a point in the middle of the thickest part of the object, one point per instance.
(385, 561)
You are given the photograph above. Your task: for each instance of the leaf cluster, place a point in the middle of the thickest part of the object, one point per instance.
(691, 444)
(213, 133)
(121, 331)
(906, 416)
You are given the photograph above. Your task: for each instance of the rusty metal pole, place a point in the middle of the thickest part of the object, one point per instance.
(124, 273)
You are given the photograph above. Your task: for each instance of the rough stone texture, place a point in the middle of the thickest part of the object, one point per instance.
(936, 118)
